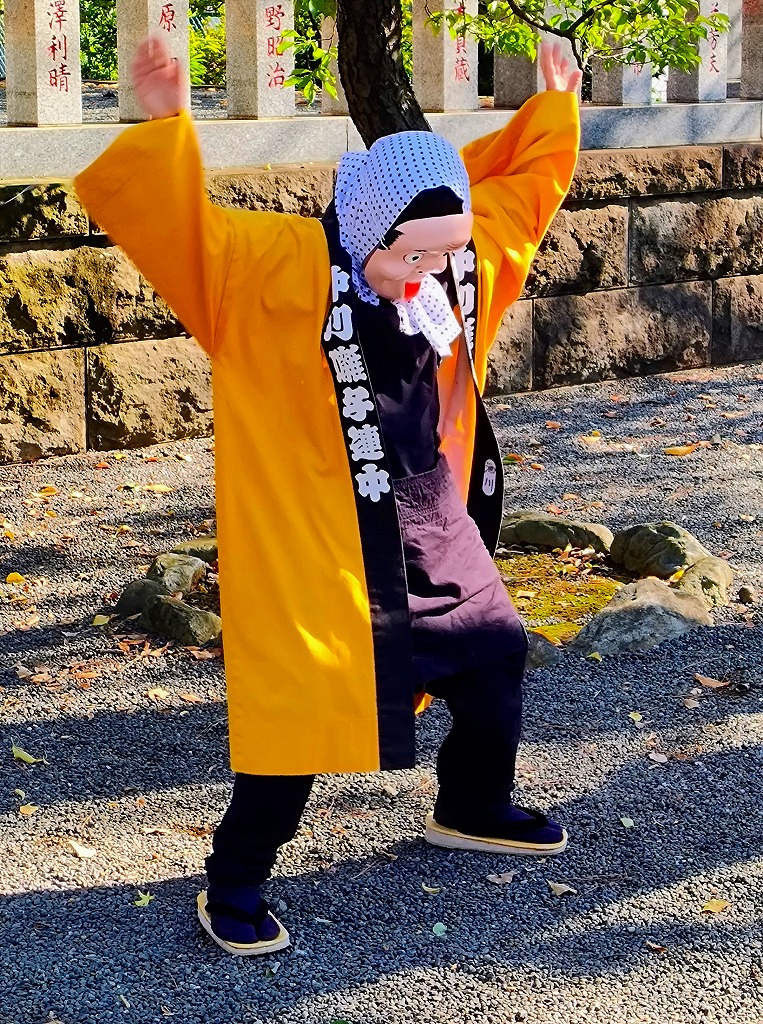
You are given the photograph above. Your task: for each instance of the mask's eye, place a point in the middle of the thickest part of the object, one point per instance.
(412, 257)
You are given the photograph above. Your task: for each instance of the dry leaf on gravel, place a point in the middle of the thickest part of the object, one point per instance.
(504, 878)
(635, 715)
(627, 822)
(681, 449)
(432, 889)
(658, 758)
(157, 693)
(655, 947)
(553, 425)
(691, 702)
(143, 900)
(83, 852)
(101, 620)
(191, 698)
(22, 755)
(157, 488)
(561, 888)
(710, 683)
(715, 906)
(15, 577)
(28, 809)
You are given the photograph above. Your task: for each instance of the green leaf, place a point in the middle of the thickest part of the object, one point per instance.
(143, 900)
(439, 929)
(22, 755)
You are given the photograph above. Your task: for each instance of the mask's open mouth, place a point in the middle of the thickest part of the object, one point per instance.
(412, 289)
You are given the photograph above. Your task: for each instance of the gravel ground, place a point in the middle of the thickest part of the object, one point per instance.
(142, 781)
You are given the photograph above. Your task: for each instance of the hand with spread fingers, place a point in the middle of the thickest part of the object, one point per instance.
(556, 69)
(157, 79)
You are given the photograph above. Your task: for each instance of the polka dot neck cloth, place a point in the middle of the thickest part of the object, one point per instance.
(372, 190)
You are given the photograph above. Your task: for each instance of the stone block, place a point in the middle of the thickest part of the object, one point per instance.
(43, 405)
(738, 320)
(29, 212)
(305, 190)
(627, 332)
(145, 392)
(584, 249)
(685, 239)
(743, 165)
(57, 299)
(510, 363)
(608, 174)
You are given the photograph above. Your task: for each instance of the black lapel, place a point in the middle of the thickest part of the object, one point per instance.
(377, 512)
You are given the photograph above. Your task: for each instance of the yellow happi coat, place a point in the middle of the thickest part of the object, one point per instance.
(253, 289)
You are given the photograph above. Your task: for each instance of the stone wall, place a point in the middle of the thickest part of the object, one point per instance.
(655, 263)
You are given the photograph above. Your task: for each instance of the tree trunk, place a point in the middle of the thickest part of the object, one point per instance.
(379, 96)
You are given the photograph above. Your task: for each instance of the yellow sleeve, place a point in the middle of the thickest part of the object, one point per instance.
(519, 177)
(147, 193)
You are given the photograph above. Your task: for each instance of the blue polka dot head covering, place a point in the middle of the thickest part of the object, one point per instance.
(374, 188)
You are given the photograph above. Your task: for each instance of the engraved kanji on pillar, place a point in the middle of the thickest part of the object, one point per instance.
(258, 65)
(42, 41)
(136, 19)
(444, 65)
(708, 81)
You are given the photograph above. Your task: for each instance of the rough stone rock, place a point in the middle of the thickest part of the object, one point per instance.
(40, 211)
(74, 297)
(42, 409)
(709, 579)
(145, 392)
(683, 239)
(738, 320)
(204, 548)
(743, 165)
(629, 332)
(656, 549)
(541, 653)
(137, 594)
(177, 573)
(583, 249)
(610, 173)
(283, 189)
(544, 531)
(176, 620)
(638, 617)
(747, 595)
(510, 363)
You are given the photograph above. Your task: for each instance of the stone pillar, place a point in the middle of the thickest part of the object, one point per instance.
(751, 87)
(707, 82)
(44, 78)
(256, 69)
(629, 84)
(516, 79)
(329, 105)
(136, 19)
(444, 68)
(735, 40)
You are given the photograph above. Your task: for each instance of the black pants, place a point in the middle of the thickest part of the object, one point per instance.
(475, 771)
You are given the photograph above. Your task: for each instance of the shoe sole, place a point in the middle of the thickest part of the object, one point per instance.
(281, 941)
(448, 838)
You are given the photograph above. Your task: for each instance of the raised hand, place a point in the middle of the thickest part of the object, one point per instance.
(556, 69)
(157, 79)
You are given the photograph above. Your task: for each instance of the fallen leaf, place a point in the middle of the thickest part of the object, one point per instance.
(715, 906)
(15, 577)
(526, 594)
(102, 465)
(676, 575)
(23, 673)
(439, 929)
(191, 698)
(101, 620)
(595, 656)
(681, 449)
(119, 455)
(655, 947)
(537, 466)
(28, 809)
(553, 425)
(504, 878)
(592, 438)
(635, 715)
(570, 497)
(83, 852)
(561, 888)
(710, 683)
(627, 822)
(555, 510)
(734, 415)
(157, 693)
(47, 491)
(157, 488)
(433, 889)
(143, 900)
(658, 758)
(513, 460)
(22, 755)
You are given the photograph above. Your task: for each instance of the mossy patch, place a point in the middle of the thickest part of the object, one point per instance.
(558, 593)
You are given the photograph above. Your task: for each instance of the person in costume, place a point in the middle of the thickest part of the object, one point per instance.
(358, 478)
